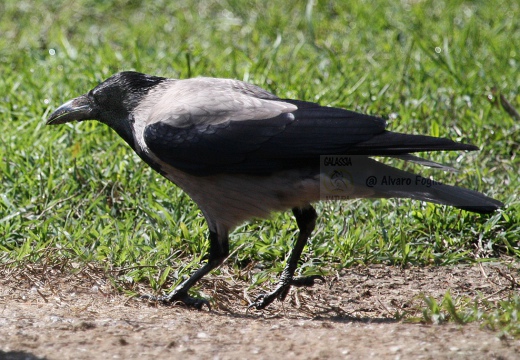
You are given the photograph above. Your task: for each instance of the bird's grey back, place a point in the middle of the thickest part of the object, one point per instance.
(211, 101)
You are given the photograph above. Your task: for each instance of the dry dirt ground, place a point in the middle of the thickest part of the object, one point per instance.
(59, 314)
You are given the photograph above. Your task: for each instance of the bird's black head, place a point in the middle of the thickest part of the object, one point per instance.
(111, 102)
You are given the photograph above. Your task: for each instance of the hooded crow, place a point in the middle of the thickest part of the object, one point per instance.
(241, 152)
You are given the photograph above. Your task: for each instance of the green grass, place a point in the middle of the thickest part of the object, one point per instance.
(431, 67)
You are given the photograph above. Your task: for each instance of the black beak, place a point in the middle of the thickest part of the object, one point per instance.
(78, 109)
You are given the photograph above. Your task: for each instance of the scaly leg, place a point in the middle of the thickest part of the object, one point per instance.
(306, 220)
(218, 251)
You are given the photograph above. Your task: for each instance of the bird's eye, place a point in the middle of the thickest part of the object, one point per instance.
(98, 96)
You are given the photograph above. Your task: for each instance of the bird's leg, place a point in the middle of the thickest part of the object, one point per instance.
(218, 251)
(306, 220)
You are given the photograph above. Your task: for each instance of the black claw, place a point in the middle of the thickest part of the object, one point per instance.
(181, 297)
(258, 298)
(306, 280)
(281, 291)
(263, 300)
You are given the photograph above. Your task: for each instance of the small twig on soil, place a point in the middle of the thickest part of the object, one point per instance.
(43, 296)
(482, 270)
(133, 268)
(487, 298)
(509, 108)
(508, 277)
(383, 305)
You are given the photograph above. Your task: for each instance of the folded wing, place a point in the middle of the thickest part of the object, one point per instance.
(285, 141)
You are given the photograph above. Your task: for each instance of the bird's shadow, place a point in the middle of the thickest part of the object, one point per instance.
(19, 355)
(328, 315)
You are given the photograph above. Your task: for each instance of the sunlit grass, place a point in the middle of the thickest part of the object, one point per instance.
(429, 67)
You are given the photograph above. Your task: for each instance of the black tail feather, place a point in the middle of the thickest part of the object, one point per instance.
(392, 143)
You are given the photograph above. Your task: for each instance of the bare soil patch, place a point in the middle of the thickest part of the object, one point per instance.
(64, 314)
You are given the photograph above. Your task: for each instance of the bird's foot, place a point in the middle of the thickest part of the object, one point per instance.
(178, 296)
(306, 281)
(281, 291)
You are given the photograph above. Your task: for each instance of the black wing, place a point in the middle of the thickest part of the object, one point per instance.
(289, 140)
